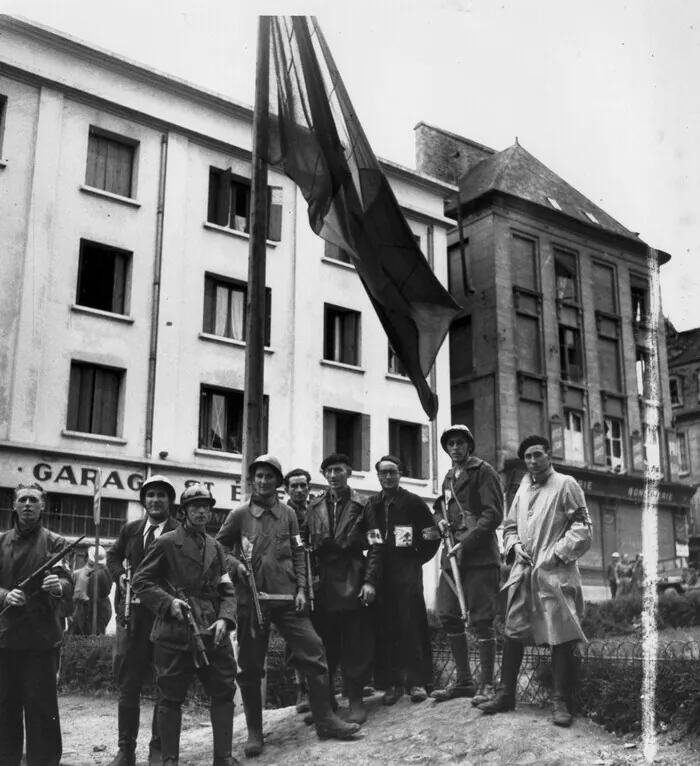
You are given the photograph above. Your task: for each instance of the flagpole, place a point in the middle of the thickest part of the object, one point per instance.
(97, 516)
(255, 301)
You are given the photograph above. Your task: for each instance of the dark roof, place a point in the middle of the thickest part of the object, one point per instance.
(516, 172)
(683, 347)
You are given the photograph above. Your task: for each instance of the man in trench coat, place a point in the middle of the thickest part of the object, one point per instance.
(545, 532)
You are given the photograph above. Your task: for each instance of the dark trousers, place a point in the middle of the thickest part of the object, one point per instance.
(481, 585)
(296, 629)
(613, 587)
(28, 696)
(348, 638)
(175, 671)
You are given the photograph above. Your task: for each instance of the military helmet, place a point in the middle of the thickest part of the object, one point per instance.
(458, 430)
(272, 462)
(151, 481)
(196, 492)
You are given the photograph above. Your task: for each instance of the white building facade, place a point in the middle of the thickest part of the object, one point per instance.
(124, 259)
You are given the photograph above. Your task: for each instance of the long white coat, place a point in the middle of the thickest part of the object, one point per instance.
(545, 600)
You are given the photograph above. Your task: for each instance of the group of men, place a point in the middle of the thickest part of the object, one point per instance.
(625, 575)
(339, 575)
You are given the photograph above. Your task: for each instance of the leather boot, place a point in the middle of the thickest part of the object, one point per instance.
(562, 670)
(463, 685)
(357, 712)
(487, 655)
(328, 725)
(128, 730)
(252, 704)
(505, 699)
(155, 757)
(221, 715)
(169, 724)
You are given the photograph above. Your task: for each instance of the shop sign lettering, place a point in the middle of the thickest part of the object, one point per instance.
(79, 476)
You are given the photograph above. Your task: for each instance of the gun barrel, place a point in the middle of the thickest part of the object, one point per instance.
(449, 540)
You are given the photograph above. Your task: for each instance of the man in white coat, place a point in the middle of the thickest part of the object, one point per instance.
(546, 530)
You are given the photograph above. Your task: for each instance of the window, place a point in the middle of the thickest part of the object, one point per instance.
(683, 454)
(229, 203)
(524, 260)
(7, 497)
(395, 366)
(221, 420)
(458, 281)
(461, 347)
(604, 288)
(406, 442)
(591, 217)
(570, 355)
(574, 449)
(643, 371)
(93, 399)
(341, 342)
(527, 343)
(347, 433)
(226, 310)
(639, 289)
(609, 363)
(102, 277)
(554, 203)
(463, 412)
(566, 276)
(72, 515)
(652, 450)
(614, 452)
(336, 253)
(110, 163)
(676, 389)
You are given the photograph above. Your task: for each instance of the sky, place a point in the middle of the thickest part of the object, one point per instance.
(604, 92)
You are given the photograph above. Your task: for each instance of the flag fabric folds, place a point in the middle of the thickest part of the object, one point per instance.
(324, 150)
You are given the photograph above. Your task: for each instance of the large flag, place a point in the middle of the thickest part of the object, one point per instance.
(351, 204)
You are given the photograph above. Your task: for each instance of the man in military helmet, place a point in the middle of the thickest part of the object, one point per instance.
(184, 583)
(471, 505)
(133, 651)
(263, 534)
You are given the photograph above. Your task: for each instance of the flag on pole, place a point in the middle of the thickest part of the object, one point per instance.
(324, 150)
(97, 503)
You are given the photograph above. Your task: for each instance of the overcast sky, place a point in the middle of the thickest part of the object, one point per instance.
(604, 93)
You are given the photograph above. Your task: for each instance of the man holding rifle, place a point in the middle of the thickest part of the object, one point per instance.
(30, 633)
(469, 510)
(266, 559)
(133, 651)
(183, 581)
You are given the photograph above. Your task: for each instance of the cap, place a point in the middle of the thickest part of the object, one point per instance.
(272, 462)
(616, 555)
(336, 457)
(151, 482)
(459, 429)
(196, 492)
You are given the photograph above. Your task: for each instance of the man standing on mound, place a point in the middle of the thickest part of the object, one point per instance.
(546, 531)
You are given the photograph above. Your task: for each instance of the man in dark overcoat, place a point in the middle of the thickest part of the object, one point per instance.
(132, 657)
(404, 655)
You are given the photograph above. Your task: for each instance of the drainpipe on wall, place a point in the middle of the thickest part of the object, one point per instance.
(433, 375)
(155, 304)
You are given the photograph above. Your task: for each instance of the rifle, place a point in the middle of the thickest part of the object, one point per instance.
(309, 578)
(448, 540)
(248, 561)
(31, 585)
(199, 653)
(127, 598)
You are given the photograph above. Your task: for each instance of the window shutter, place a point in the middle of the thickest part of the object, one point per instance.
(328, 433)
(268, 316)
(425, 452)
(364, 443)
(350, 338)
(274, 213)
(223, 198)
(73, 398)
(209, 304)
(119, 283)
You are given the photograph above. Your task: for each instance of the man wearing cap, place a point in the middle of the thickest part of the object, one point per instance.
(341, 528)
(546, 531)
(264, 534)
(184, 576)
(30, 635)
(403, 651)
(133, 651)
(471, 505)
(611, 574)
(84, 595)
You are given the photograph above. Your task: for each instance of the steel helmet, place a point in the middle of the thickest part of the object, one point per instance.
(151, 481)
(196, 492)
(272, 462)
(458, 429)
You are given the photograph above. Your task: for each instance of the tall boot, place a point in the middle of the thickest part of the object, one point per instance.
(252, 704)
(128, 730)
(302, 703)
(357, 711)
(221, 715)
(512, 659)
(169, 724)
(328, 725)
(562, 670)
(487, 655)
(463, 685)
(155, 757)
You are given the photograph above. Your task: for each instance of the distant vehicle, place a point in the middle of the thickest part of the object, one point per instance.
(673, 573)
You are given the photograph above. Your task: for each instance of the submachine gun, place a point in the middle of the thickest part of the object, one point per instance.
(199, 653)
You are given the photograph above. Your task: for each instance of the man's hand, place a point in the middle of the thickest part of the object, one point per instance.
(367, 594)
(443, 525)
(177, 608)
(52, 585)
(122, 582)
(242, 571)
(220, 629)
(300, 600)
(521, 555)
(15, 597)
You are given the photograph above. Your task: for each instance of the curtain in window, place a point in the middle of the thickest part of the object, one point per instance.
(238, 314)
(218, 422)
(221, 312)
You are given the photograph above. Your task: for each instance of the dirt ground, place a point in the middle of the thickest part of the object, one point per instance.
(426, 733)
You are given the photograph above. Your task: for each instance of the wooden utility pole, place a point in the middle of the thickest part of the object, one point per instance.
(255, 301)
